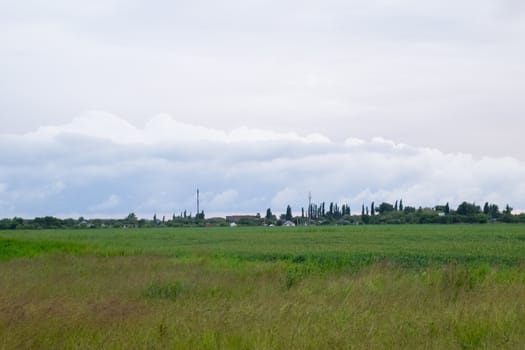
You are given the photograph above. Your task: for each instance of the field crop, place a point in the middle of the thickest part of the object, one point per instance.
(362, 287)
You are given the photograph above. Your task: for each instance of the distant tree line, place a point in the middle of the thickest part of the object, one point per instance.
(394, 213)
(316, 214)
(131, 221)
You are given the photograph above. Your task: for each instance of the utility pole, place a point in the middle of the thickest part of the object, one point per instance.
(198, 212)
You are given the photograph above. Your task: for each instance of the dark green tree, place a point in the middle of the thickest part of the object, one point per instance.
(494, 211)
(408, 210)
(131, 219)
(288, 215)
(486, 209)
(468, 209)
(385, 208)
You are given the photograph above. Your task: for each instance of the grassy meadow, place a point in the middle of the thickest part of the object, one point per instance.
(347, 287)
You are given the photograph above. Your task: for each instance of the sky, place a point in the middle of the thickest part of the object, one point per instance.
(111, 107)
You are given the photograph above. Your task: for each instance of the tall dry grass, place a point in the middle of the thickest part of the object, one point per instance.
(85, 302)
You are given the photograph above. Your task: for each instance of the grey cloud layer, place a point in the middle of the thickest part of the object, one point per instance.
(98, 164)
(442, 74)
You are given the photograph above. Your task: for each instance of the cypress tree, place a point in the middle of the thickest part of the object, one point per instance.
(288, 213)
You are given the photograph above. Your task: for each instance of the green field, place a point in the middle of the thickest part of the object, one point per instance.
(362, 287)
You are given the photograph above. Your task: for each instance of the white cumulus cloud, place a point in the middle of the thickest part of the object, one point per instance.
(99, 163)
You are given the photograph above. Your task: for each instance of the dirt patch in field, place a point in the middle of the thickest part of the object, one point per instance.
(114, 310)
(13, 313)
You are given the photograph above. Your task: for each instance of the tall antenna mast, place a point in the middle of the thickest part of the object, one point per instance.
(198, 212)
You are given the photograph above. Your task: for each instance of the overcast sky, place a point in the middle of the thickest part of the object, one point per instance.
(112, 106)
